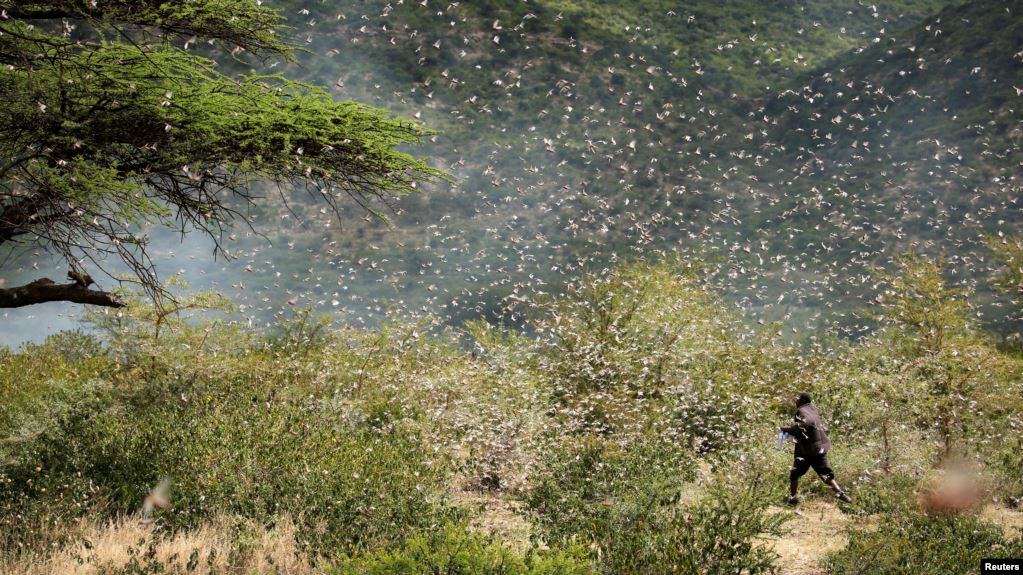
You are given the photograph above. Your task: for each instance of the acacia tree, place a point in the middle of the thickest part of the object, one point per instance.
(1008, 252)
(962, 373)
(110, 125)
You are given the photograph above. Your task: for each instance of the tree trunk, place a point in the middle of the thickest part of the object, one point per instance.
(45, 290)
(886, 462)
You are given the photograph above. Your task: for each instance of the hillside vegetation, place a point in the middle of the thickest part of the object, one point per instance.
(664, 221)
(633, 433)
(797, 145)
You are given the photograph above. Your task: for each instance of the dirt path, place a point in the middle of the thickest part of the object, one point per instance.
(820, 528)
(817, 529)
(499, 516)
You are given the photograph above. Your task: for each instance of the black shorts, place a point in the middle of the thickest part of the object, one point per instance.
(819, 463)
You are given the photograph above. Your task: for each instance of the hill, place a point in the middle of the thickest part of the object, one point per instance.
(580, 136)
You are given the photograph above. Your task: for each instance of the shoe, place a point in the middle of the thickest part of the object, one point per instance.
(841, 495)
(793, 501)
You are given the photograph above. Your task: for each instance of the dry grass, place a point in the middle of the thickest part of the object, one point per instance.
(1011, 520)
(820, 528)
(816, 530)
(221, 546)
(498, 516)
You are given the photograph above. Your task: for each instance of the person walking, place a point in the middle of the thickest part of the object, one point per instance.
(812, 446)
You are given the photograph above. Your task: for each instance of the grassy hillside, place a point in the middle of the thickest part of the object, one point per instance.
(634, 433)
(620, 131)
(580, 136)
(667, 220)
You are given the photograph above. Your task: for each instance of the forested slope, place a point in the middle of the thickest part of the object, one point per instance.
(797, 144)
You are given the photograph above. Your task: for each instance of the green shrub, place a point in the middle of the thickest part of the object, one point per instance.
(32, 380)
(625, 506)
(1009, 466)
(590, 483)
(717, 535)
(886, 493)
(622, 339)
(456, 550)
(715, 417)
(349, 485)
(913, 543)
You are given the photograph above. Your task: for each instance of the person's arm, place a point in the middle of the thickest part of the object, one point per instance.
(799, 427)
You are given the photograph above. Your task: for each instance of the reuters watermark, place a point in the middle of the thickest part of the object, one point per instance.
(1001, 566)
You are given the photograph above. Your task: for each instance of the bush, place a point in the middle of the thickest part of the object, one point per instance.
(349, 485)
(717, 535)
(715, 417)
(456, 550)
(1010, 479)
(621, 339)
(591, 484)
(32, 380)
(913, 543)
(624, 504)
(891, 493)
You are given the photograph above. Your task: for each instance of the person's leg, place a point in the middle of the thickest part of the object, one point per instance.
(842, 495)
(830, 482)
(799, 467)
(823, 469)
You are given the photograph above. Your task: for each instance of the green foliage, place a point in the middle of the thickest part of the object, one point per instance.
(618, 331)
(1009, 469)
(144, 326)
(891, 494)
(301, 333)
(104, 136)
(962, 377)
(870, 401)
(918, 300)
(457, 550)
(366, 436)
(592, 486)
(649, 349)
(912, 543)
(719, 534)
(620, 346)
(625, 505)
(736, 59)
(31, 378)
(228, 445)
(1009, 253)
(236, 22)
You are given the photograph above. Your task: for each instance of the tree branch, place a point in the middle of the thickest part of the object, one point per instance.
(19, 13)
(45, 290)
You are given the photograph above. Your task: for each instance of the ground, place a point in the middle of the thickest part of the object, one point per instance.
(817, 529)
(498, 515)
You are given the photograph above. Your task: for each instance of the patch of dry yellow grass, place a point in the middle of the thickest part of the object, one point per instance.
(817, 529)
(820, 528)
(1011, 520)
(220, 546)
(498, 516)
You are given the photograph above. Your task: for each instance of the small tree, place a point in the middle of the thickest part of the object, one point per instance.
(1009, 253)
(143, 328)
(616, 339)
(110, 125)
(941, 348)
(918, 302)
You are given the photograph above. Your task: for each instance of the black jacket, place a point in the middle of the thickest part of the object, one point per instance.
(810, 432)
